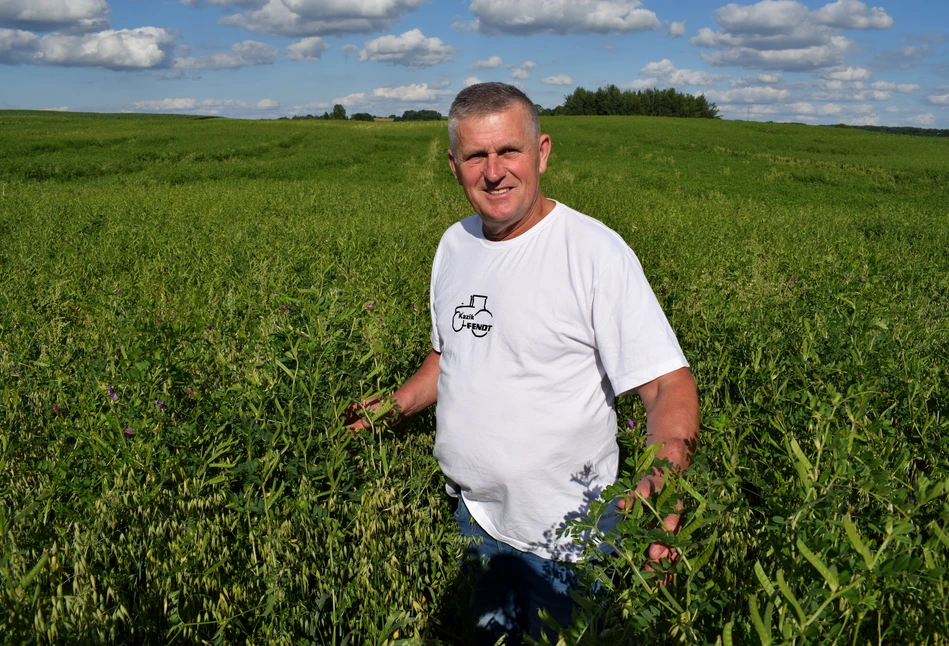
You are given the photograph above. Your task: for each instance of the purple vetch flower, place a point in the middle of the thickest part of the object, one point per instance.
(129, 431)
(190, 392)
(284, 308)
(382, 319)
(161, 404)
(630, 423)
(210, 326)
(369, 307)
(794, 279)
(56, 409)
(414, 308)
(118, 291)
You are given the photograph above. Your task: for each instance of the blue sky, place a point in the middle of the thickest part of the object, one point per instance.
(775, 60)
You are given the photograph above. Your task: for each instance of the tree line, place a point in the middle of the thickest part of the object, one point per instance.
(610, 100)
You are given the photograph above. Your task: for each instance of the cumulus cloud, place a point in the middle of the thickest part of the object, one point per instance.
(785, 34)
(902, 88)
(471, 80)
(640, 84)
(411, 49)
(852, 14)
(414, 93)
(244, 54)
(925, 119)
(267, 104)
(666, 72)
(204, 106)
(938, 99)
(301, 18)
(749, 95)
(557, 79)
(562, 16)
(348, 49)
(677, 29)
(69, 16)
(494, 61)
(308, 49)
(757, 79)
(842, 73)
(523, 71)
(126, 49)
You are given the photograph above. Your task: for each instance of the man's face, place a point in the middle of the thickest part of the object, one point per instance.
(498, 164)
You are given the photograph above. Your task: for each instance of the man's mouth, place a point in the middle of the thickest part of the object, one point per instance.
(498, 191)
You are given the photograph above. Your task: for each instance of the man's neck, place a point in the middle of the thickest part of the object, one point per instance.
(522, 226)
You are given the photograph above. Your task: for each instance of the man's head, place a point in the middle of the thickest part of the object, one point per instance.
(482, 99)
(497, 155)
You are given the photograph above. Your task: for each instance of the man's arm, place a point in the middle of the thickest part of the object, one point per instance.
(672, 419)
(418, 393)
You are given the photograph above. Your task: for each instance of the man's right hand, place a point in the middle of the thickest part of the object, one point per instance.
(356, 417)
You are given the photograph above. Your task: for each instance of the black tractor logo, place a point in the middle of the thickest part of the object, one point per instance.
(474, 316)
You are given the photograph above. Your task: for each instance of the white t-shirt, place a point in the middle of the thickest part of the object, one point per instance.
(537, 334)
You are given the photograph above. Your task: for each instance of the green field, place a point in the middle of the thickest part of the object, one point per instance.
(187, 306)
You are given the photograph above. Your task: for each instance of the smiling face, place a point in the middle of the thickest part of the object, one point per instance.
(498, 164)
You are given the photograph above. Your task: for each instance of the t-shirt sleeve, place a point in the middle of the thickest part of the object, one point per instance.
(635, 342)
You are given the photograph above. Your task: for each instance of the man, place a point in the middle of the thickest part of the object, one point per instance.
(540, 317)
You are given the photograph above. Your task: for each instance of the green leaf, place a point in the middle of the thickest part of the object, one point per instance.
(814, 560)
(763, 579)
(763, 630)
(786, 591)
(854, 536)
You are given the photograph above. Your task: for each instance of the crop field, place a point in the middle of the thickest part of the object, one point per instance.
(188, 305)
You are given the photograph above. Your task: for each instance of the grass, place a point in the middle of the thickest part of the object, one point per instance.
(216, 276)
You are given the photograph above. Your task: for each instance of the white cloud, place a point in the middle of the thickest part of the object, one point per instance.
(677, 29)
(300, 18)
(471, 80)
(668, 73)
(748, 95)
(892, 109)
(640, 84)
(522, 72)
(308, 49)
(557, 79)
(204, 106)
(925, 119)
(785, 34)
(562, 16)
(902, 88)
(757, 79)
(267, 104)
(494, 61)
(166, 104)
(938, 99)
(125, 49)
(64, 108)
(411, 49)
(842, 73)
(852, 14)
(55, 15)
(416, 92)
(16, 45)
(244, 54)
(348, 49)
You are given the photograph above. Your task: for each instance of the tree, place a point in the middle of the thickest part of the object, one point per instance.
(362, 116)
(339, 112)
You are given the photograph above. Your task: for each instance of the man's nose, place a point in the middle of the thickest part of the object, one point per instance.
(494, 169)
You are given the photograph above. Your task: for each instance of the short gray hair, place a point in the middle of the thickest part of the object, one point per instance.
(483, 99)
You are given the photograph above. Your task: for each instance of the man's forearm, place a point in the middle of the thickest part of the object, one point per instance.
(421, 389)
(672, 420)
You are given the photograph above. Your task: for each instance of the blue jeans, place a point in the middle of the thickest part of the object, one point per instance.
(513, 586)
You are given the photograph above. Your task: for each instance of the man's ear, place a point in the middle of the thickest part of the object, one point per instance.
(543, 147)
(454, 168)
